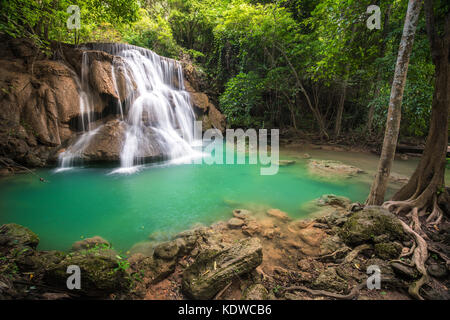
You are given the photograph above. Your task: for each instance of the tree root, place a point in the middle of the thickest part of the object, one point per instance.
(352, 255)
(333, 254)
(436, 215)
(420, 255)
(353, 293)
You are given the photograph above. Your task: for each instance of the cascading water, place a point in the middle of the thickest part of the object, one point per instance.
(67, 158)
(157, 114)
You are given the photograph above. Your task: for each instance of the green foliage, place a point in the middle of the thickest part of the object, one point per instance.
(154, 32)
(255, 52)
(243, 93)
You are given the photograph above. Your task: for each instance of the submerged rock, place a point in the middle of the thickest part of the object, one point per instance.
(235, 223)
(278, 214)
(214, 269)
(285, 163)
(365, 225)
(333, 200)
(146, 248)
(242, 214)
(332, 168)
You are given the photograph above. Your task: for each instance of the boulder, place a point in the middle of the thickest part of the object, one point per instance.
(100, 275)
(235, 223)
(89, 243)
(14, 235)
(388, 250)
(146, 248)
(278, 214)
(242, 214)
(214, 269)
(333, 200)
(332, 168)
(329, 280)
(168, 250)
(365, 225)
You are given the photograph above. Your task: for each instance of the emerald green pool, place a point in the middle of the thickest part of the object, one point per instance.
(125, 209)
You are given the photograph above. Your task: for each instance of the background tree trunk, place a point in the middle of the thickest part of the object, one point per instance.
(379, 186)
(428, 180)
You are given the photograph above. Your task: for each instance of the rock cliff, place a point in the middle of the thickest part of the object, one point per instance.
(40, 103)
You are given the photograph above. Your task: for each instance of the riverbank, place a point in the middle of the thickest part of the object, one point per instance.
(254, 255)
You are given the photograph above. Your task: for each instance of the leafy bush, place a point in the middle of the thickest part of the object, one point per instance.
(242, 94)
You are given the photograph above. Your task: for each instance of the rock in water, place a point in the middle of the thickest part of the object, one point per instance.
(285, 163)
(332, 168)
(89, 243)
(276, 213)
(333, 200)
(235, 223)
(214, 269)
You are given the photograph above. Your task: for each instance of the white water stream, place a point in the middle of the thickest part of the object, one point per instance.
(157, 115)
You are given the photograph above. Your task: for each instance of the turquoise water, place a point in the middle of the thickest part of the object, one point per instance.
(125, 209)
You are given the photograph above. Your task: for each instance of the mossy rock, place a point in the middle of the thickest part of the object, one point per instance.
(214, 269)
(366, 225)
(90, 243)
(100, 274)
(14, 235)
(168, 250)
(388, 250)
(39, 261)
(330, 280)
(333, 200)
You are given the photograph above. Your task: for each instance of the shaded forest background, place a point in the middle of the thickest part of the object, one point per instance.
(299, 65)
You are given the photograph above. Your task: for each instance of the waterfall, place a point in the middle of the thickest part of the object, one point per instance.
(157, 114)
(67, 158)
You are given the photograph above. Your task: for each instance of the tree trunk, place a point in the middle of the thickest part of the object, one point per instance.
(379, 186)
(428, 180)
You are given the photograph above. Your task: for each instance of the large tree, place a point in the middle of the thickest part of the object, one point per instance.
(379, 186)
(426, 191)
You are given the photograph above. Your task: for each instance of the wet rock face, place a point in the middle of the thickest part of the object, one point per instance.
(214, 269)
(364, 226)
(40, 103)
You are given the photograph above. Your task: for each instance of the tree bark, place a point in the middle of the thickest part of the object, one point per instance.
(379, 186)
(429, 176)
